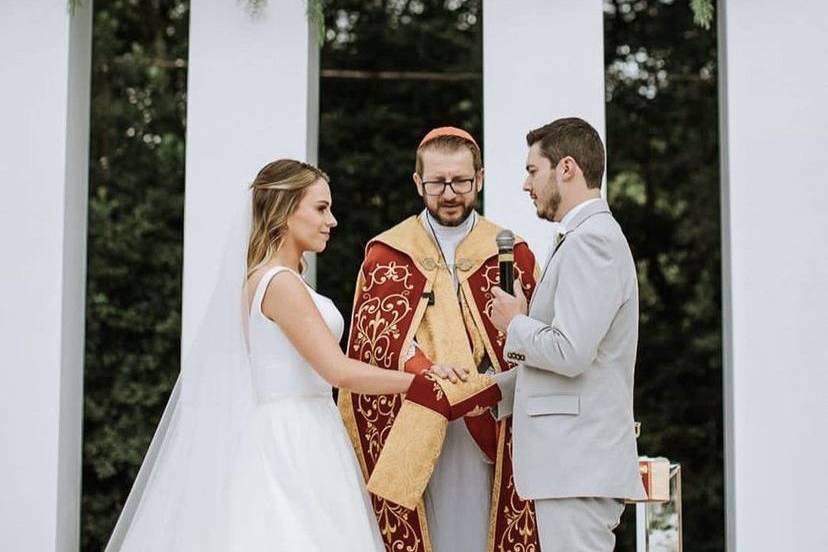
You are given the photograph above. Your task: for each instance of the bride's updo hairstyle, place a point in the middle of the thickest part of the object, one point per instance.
(277, 191)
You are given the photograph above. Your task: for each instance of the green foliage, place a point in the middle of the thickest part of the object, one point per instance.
(316, 17)
(315, 12)
(663, 174)
(255, 7)
(135, 239)
(702, 12)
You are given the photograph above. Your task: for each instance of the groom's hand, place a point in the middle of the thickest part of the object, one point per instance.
(505, 306)
(449, 373)
(479, 411)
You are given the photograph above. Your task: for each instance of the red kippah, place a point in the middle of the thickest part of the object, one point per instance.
(447, 131)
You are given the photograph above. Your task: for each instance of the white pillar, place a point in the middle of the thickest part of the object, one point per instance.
(774, 119)
(542, 60)
(44, 109)
(252, 98)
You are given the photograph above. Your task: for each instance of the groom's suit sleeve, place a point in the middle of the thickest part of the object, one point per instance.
(587, 298)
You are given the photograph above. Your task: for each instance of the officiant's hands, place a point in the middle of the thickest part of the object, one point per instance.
(505, 306)
(450, 373)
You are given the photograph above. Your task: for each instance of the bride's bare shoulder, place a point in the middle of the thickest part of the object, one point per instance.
(285, 293)
(283, 283)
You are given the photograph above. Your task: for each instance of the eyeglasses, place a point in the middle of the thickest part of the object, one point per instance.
(458, 186)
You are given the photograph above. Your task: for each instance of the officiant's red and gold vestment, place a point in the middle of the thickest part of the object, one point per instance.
(405, 293)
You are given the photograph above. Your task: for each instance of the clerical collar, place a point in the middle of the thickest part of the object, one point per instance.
(450, 233)
(447, 239)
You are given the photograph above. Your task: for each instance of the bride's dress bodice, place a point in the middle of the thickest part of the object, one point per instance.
(278, 368)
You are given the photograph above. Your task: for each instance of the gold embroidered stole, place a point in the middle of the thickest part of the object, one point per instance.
(448, 333)
(452, 332)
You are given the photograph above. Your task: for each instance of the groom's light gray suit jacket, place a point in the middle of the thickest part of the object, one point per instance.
(571, 395)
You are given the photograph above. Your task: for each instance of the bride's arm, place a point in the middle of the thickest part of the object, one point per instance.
(288, 303)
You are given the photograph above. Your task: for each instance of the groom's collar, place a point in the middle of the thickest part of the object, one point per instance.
(582, 212)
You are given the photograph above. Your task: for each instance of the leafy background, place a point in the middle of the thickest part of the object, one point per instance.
(390, 70)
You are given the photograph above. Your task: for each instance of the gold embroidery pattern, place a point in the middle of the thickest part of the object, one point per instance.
(438, 391)
(391, 272)
(462, 390)
(377, 326)
(409, 456)
(491, 278)
(386, 300)
(519, 535)
(394, 523)
(379, 412)
(464, 265)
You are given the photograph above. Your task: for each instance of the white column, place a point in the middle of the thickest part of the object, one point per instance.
(44, 109)
(775, 272)
(541, 61)
(252, 98)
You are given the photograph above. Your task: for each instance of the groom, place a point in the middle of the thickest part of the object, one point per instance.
(571, 396)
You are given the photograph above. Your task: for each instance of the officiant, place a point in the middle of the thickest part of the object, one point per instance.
(423, 298)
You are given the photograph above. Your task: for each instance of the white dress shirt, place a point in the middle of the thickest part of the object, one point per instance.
(574, 211)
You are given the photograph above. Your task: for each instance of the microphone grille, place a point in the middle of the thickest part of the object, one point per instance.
(505, 239)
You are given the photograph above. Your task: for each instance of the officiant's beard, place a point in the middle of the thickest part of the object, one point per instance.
(441, 215)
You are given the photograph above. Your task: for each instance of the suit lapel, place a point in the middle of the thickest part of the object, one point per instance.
(582, 216)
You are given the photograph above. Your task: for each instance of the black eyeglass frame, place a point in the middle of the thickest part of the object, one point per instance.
(468, 182)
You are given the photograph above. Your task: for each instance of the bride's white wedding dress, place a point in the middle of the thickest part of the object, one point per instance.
(296, 485)
(251, 454)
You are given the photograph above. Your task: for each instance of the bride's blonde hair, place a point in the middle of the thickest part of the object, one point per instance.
(277, 191)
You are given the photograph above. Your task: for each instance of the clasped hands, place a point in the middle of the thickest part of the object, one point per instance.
(454, 375)
(451, 403)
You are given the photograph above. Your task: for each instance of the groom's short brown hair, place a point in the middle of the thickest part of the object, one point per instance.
(575, 138)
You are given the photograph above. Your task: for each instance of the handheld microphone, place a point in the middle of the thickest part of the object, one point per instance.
(506, 258)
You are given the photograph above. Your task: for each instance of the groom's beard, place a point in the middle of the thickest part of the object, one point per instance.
(547, 211)
(447, 220)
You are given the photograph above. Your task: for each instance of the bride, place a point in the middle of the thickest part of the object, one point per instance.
(251, 453)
